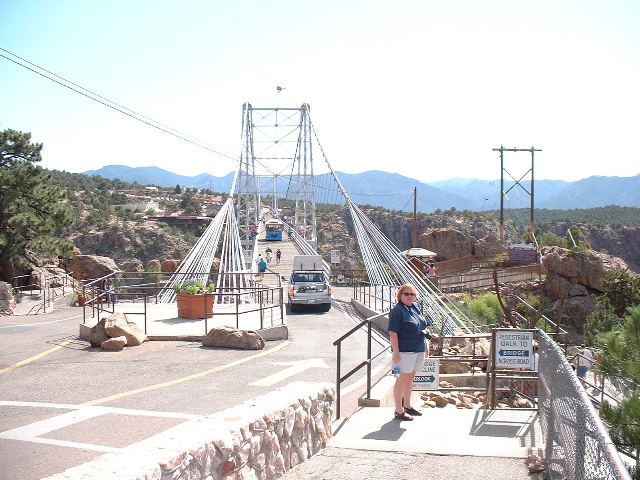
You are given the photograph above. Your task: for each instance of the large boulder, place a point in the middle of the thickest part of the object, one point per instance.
(117, 325)
(227, 337)
(587, 269)
(132, 265)
(117, 343)
(448, 243)
(489, 245)
(86, 267)
(557, 287)
(169, 266)
(575, 311)
(7, 300)
(98, 334)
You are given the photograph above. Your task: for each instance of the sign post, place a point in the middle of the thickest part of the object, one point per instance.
(335, 256)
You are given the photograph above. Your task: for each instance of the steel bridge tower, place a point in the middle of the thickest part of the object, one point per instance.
(276, 161)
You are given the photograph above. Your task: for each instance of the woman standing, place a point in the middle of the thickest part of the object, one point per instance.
(408, 334)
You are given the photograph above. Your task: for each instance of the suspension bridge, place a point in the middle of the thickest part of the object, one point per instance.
(276, 165)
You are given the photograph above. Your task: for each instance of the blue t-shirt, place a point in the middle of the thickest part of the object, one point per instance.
(408, 323)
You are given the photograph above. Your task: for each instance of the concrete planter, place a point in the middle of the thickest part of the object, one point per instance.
(195, 306)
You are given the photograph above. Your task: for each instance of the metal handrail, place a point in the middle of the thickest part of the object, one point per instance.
(96, 302)
(338, 343)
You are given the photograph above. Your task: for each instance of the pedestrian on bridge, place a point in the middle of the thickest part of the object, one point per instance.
(278, 256)
(409, 331)
(432, 270)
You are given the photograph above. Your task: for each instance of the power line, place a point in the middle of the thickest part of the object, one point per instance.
(111, 104)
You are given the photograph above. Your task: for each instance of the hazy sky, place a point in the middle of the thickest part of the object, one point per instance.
(423, 88)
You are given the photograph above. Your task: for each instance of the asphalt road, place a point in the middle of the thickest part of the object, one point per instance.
(48, 377)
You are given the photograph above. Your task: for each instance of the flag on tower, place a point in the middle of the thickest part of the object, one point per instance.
(280, 89)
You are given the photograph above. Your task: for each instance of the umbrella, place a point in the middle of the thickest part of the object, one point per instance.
(419, 252)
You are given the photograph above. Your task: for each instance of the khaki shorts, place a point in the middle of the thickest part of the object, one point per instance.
(410, 362)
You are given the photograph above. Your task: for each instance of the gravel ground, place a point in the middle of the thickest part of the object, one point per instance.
(347, 464)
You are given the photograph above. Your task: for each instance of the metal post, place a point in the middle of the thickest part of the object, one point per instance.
(261, 301)
(532, 198)
(491, 373)
(415, 217)
(368, 359)
(501, 193)
(339, 357)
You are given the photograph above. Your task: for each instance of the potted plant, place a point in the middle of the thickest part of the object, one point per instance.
(194, 299)
(81, 294)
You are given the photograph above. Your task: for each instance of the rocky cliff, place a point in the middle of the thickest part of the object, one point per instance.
(623, 242)
(453, 235)
(132, 244)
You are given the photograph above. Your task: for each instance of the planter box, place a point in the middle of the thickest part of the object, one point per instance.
(195, 306)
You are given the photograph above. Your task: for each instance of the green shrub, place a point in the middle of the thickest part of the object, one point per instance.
(485, 309)
(193, 287)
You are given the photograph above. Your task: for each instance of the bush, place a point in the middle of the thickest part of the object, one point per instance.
(485, 309)
(193, 287)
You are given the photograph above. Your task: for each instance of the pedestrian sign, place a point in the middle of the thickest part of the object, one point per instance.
(514, 349)
(428, 378)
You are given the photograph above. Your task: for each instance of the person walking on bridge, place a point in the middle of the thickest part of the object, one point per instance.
(408, 333)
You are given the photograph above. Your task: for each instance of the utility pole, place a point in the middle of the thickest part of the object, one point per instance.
(415, 217)
(517, 183)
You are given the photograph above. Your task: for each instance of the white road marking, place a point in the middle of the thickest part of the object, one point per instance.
(41, 323)
(294, 369)
(79, 413)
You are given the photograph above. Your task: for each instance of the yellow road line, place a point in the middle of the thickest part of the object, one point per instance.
(185, 379)
(37, 357)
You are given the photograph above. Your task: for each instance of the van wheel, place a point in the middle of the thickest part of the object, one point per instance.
(293, 308)
(326, 307)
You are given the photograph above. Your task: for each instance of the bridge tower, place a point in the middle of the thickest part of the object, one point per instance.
(276, 161)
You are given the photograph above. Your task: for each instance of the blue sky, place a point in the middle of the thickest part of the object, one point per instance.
(423, 88)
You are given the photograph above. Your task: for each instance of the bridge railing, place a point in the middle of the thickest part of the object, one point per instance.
(444, 314)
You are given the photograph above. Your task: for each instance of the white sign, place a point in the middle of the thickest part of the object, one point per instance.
(428, 378)
(514, 349)
(335, 256)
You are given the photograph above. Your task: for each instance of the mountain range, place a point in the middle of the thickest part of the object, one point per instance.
(395, 192)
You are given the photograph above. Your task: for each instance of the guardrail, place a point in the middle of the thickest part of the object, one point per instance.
(470, 279)
(147, 287)
(49, 287)
(577, 443)
(365, 363)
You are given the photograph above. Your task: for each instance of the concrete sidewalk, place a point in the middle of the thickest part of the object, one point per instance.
(444, 443)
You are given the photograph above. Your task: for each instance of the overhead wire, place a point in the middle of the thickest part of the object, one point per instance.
(111, 104)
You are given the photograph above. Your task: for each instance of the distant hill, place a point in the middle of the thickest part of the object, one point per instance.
(393, 191)
(163, 178)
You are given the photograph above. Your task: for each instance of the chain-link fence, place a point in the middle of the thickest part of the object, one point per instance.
(578, 446)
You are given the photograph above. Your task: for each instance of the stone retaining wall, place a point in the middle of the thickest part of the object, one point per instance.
(257, 440)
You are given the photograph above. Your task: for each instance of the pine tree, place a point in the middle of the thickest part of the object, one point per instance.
(602, 319)
(622, 290)
(621, 358)
(32, 211)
